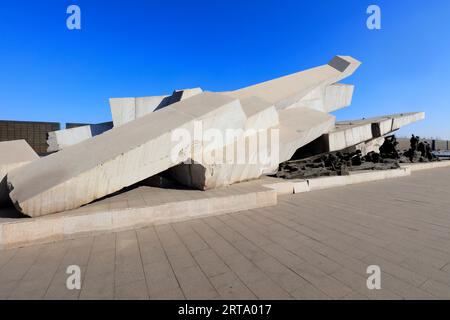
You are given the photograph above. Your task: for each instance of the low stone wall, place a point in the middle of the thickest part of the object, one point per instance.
(120, 215)
(293, 186)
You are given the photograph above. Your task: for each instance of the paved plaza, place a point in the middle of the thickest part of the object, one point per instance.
(315, 245)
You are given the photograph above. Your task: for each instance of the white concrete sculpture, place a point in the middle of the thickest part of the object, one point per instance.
(124, 110)
(117, 158)
(60, 139)
(302, 101)
(351, 133)
(13, 154)
(281, 115)
(364, 134)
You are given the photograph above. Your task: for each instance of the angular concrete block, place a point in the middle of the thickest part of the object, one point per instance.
(364, 133)
(296, 124)
(406, 118)
(282, 188)
(338, 96)
(211, 168)
(118, 158)
(288, 90)
(124, 110)
(301, 186)
(58, 140)
(327, 98)
(327, 182)
(294, 128)
(372, 145)
(344, 136)
(13, 154)
(292, 111)
(298, 127)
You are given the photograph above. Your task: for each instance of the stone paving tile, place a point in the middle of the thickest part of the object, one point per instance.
(100, 272)
(248, 272)
(231, 287)
(305, 270)
(220, 275)
(315, 245)
(128, 263)
(446, 268)
(6, 255)
(286, 278)
(192, 280)
(136, 290)
(19, 264)
(161, 280)
(36, 281)
(437, 289)
(77, 254)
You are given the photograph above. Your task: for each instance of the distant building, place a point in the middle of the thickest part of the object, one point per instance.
(35, 133)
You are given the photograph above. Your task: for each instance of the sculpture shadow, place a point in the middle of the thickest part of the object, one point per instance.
(7, 209)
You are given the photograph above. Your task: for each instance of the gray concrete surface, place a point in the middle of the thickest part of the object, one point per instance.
(135, 208)
(310, 246)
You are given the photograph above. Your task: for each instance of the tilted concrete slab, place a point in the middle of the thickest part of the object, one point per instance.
(327, 98)
(308, 92)
(298, 127)
(290, 128)
(211, 168)
(301, 100)
(349, 134)
(404, 119)
(386, 124)
(338, 96)
(124, 110)
(58, 140)
(287, 91)
(118, 158)
(13, 154)
(364, 134)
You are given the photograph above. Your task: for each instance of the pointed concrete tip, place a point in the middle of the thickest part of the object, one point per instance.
(342, 63)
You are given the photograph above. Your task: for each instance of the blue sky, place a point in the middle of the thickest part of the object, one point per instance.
(139, 48)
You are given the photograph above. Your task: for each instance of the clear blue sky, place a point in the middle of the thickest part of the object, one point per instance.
(139, 48)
